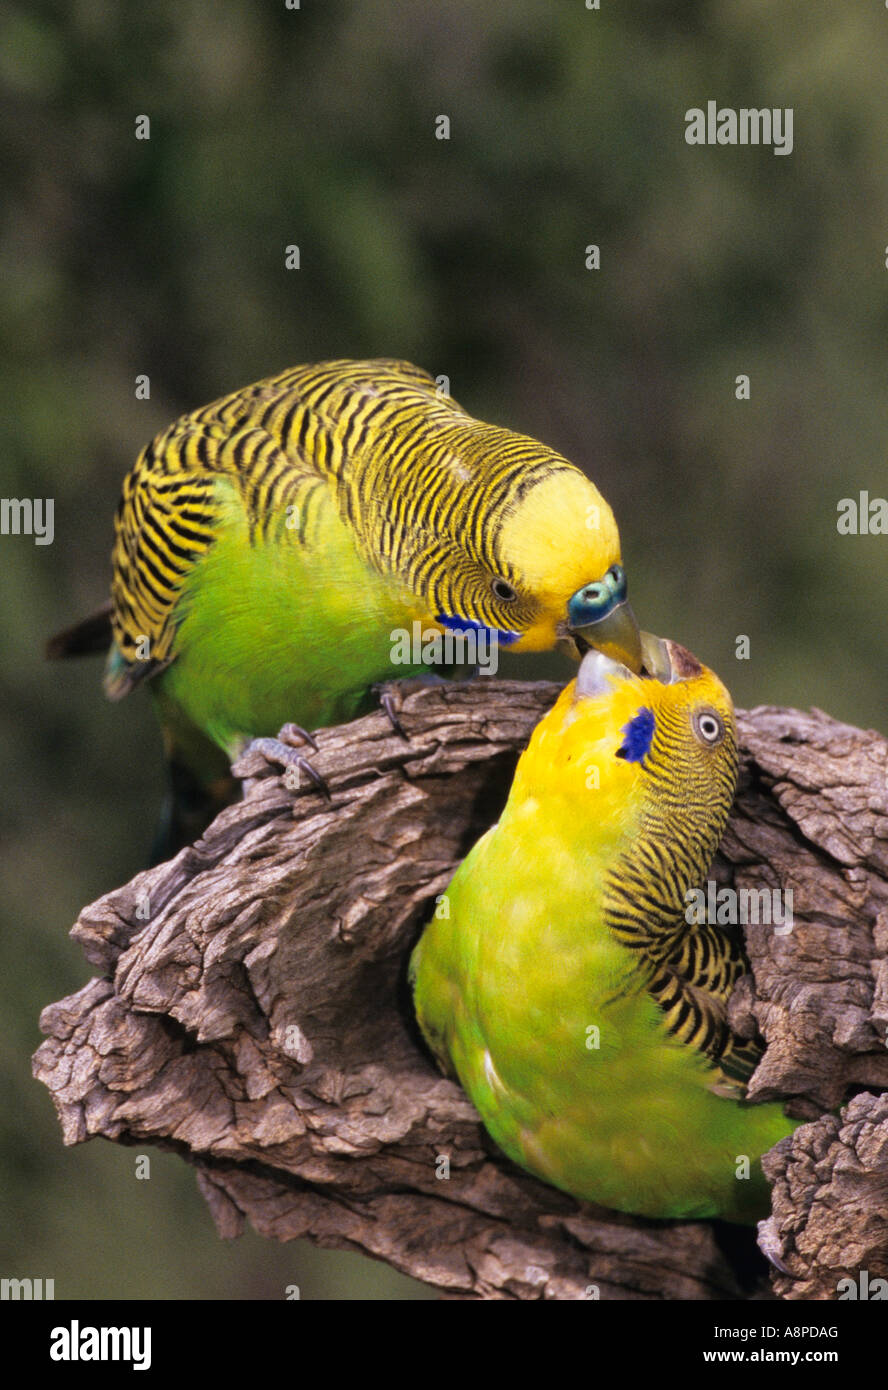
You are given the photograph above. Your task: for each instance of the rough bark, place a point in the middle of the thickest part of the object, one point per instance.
(250, 1011)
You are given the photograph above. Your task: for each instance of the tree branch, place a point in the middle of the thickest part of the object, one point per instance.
(251, 1011)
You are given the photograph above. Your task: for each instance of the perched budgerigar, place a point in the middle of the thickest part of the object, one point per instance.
(269, 545)
(560, 979)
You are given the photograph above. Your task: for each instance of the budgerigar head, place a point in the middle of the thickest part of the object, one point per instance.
(619, 746)
(539, 565)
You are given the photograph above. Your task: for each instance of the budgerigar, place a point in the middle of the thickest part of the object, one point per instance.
(269, 545)
(560, 979)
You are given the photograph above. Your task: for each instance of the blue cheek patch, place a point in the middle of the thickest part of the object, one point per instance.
(505, 639)
(639, 736)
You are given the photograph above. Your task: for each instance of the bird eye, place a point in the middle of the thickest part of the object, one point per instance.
(503, 590)
(709, 727)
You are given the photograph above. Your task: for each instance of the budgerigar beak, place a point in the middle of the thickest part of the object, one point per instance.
(616, 635)
(667, 661)
(661, 660)
(657, 658)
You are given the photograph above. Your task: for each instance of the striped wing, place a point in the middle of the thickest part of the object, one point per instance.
(689, 970)
(280, 445)
(423, 487)
(168, 518)
(692, 985)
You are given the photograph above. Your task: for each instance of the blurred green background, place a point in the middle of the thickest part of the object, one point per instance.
(316, 127)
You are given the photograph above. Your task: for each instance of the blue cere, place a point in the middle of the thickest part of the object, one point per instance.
(639, 736)
(470, 625)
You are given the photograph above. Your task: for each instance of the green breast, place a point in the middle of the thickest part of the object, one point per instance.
(537, 1010)
(277, 629)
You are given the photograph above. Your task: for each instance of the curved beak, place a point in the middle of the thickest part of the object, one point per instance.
(657, 656)
(616, 635)
(663, 660)
(667, 661)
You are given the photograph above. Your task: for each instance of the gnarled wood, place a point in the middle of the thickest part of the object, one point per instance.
(251, 1011)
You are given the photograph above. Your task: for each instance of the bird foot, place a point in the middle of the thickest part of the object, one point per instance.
(295, 736)
(771, 1246)
(392, 693)
(387, 700)
(285, 750)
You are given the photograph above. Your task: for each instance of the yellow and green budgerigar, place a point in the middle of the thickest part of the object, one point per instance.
(560, 979)
(270, 544)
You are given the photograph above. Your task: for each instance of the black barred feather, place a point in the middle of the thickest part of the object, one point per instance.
(381, 435)
(689, 970)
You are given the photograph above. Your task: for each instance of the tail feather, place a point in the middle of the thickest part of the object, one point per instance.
(188, 808)
(200, 780)
(86, 638)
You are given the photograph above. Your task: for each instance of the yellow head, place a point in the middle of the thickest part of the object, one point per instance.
(484, 530)
(620, 753)
(546, 570)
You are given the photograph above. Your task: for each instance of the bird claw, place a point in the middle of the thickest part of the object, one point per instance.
(769, 1243)
(275, 750)
(294, 735)
(405, 687)
(386, 699)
